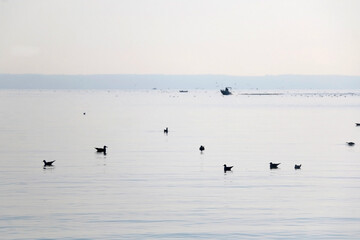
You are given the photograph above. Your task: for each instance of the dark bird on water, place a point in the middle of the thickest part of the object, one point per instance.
(166, 130)
(274, 165)
(226, 168)
(47, 164)
(201, 148)
(101, 150)
(357, 124)
(297, 166)
(350, 143)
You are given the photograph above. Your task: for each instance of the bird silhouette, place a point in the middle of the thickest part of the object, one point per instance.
(47, 164)
(274, 165)
(166, 130)
(226, 168)
(297, 166)
(201, 148)
(350, 143)
(101, 150)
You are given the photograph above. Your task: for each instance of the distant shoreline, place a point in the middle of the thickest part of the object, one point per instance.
(133, 81)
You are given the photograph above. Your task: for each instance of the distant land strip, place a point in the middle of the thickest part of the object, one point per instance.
(262, 94)
(152, 81)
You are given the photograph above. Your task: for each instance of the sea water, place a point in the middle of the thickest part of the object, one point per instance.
(152, 185)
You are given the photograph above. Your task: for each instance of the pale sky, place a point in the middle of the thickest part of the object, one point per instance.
(232, 37)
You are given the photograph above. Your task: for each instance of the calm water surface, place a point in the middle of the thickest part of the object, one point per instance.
(156, 186)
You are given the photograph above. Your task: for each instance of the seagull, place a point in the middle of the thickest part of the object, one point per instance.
(166, 130)
(350, 143)
(202, 148)
(100, 150)
(48, 163)
(274, 165)
(297, 166)
(226, 168)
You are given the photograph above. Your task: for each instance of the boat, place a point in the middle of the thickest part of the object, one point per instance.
(183, 91)
(225, 91)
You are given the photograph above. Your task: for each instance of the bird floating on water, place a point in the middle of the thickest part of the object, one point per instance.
(201, 148)
(357, 124)
(101, 150)
(48, 164)
(226, 168)
(297, 166)
(274, 165)
(166, 130)
(350, 143)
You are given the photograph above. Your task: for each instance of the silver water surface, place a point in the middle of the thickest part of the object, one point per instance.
(156, 186)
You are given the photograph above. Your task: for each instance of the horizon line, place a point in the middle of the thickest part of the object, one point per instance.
(164, 74)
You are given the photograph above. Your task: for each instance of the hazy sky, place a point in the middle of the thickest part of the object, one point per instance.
(234, 37)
